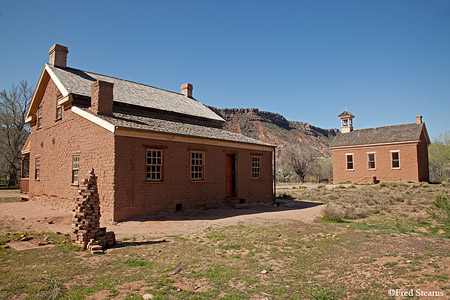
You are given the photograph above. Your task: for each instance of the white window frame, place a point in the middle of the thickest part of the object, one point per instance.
(369, 161)
(58, 112)
(39, 117)
(37, 168)
(256, 166)
(346, 161)
(75, 169)
(154, 165)
(197, 163)
(392, 159)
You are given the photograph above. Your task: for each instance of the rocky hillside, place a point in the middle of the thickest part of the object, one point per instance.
(274, 129)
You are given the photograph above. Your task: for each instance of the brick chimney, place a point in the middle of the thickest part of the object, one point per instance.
(102, 97)
(58, 55)
(419, 119)
(186, 89)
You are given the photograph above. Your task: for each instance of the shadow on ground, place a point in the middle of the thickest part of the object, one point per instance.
(122, 244)
(282, 205)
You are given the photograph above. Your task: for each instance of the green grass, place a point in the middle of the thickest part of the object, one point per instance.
(277, 259)
(11, 199)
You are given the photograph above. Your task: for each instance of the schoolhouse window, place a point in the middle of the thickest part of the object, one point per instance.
(350, 162)
(75, 168)
(256, 167)
(154, 165)
(58, 108)
(37, 168)
(39, 117)
(395, 159)
(371, 159)
(197, 165)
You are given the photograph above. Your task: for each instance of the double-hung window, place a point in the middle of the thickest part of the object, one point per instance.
(350, 165)
(75, 168)
(371, 161)
(197, 165)
(154, 165)
(37, 168)
(58, 108)
(256, 167)
(395, 159)
(39, 117)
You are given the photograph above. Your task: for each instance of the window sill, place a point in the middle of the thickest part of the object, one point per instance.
(256, 179)
(75, 184)
(198, 181)
(350, 170)
(60, 119)
(371, 169)
(396, 168)
(37, 180)
(155, 181)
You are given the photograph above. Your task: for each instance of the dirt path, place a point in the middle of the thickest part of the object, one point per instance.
(31, 216)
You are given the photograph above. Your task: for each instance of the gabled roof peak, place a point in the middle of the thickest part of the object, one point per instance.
(346, 113)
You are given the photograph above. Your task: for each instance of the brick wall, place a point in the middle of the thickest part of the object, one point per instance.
(56, 142)
(135, 196)
(119, 163)
(409, 165)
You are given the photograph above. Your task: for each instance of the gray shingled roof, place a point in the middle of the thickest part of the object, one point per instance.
(122, 120)
(79, 82)
(345, 114)
(386, 134)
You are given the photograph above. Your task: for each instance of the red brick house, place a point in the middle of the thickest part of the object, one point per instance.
(153, 150)
(389, 153)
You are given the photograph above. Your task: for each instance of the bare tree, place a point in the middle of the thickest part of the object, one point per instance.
(303, 161)
(13, 130)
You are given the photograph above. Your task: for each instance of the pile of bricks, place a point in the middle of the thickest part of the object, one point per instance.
(86, 230)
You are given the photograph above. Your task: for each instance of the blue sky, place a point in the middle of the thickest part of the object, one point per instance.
(386, 60)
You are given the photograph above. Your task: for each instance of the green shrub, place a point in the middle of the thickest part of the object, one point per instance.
(320, 293)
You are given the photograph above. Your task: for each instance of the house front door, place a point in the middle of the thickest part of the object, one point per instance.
(230, 175)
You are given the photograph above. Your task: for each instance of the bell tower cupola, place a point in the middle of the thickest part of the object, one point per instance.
(346, 121)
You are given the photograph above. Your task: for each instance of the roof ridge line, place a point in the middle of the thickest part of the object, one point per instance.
(120, 79)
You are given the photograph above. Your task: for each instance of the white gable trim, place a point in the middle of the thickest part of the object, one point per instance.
(56, 80)
(94, 119)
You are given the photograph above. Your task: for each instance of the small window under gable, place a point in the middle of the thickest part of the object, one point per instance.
(350, 165)
(371, 161)
(58, 108)
(395, 159)
(39, 117)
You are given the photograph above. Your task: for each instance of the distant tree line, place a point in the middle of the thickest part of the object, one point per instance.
(13, 130)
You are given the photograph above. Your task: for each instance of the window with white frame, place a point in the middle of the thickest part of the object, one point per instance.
(395, 159)
(154, 165)
(37, 168)
(58, 108)
(371, 161)
(197, 165)
(350, 165)
(39, 117)
(256, 167)
(75, 168)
